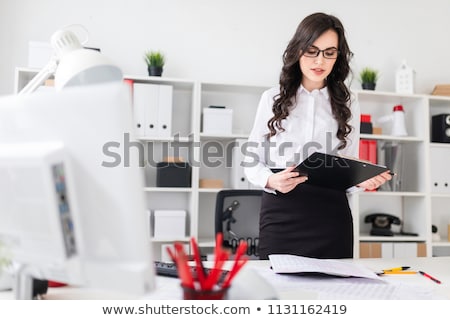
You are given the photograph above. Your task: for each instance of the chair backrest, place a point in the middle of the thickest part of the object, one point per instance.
(237, 217)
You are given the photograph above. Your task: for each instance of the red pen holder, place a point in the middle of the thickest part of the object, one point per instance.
(199, 294)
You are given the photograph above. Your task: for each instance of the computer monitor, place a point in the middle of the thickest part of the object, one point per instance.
(72, 206)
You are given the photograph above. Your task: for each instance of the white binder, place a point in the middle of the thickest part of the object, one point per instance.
(238, 178)
(153, 109)
(139, 103)
(165, 111)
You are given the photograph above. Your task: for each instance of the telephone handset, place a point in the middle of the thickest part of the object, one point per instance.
(381, 223)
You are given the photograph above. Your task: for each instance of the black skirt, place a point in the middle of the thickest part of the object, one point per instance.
(308, 221)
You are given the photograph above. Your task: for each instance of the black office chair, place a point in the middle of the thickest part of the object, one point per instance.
(237, 218)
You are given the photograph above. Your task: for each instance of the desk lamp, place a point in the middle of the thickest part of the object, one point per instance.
(73, 65)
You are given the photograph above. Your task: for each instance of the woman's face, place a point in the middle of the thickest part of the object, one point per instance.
(316, 69)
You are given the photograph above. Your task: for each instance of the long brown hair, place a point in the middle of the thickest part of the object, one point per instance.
(311, 28)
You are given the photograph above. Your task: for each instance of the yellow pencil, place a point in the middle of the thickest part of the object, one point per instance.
(399, 272)
(396, 269)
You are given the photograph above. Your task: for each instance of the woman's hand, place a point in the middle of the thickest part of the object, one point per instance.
(286, 180)
(376, 182)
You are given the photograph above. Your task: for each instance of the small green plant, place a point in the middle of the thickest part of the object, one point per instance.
(368, 75)
(154, 59)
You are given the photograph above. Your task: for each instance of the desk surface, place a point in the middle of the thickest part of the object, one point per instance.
(298, 287)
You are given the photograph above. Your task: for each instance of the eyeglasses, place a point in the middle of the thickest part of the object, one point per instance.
(328, 53)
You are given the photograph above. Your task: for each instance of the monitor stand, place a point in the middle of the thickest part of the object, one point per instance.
(26, 287)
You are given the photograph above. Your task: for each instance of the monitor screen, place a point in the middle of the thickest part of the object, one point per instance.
(69, 213)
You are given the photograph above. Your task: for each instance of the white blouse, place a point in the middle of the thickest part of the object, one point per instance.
(309, 127)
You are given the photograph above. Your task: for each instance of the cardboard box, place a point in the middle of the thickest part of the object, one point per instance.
(441, 90)
(211, 183)
(217, 121)
(170, 224)
(377, 130)
(392, 249)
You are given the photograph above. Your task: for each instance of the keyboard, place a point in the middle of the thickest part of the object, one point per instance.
(169, 269)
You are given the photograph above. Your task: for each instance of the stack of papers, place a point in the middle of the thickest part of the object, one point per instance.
(292, 264)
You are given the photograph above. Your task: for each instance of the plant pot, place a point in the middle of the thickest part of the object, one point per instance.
(368, 86)
(155, 71)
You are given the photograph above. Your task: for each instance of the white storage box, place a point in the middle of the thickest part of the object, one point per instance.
(170, 223)
(217, 120)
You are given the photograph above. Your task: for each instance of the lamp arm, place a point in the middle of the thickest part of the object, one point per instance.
(43, 75)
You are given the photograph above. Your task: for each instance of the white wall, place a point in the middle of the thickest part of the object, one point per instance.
(238, 41)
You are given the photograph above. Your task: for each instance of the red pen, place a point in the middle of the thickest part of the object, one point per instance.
(215, 273)
(172, 254)
(430, 277)
(185, 278)
(184, 272)
(238, 263)
(219, 260)
(198, 262)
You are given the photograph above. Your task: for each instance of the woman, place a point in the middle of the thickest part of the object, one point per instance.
(310, 111)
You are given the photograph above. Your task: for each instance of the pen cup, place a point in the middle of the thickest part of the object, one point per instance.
(199, 294)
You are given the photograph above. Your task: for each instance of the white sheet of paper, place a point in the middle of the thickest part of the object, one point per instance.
(295, 287)
(286, 263)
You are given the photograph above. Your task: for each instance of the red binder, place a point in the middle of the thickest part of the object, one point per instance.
(368, 150)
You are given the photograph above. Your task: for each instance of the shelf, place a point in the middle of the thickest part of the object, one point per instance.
(441, 243)
(388, 96)
(205, 136)
(440, 195)
(179, 83)
(170, 139)
(172, 189)
(390, 138)
(209, 190)
(169, 239)
(440, 145)
(236, 88)
(369, 238)
(439, 100)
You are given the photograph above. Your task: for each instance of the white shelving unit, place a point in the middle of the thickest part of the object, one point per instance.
(410, 202)
(243, 100)
(440, 182)
(416, 204)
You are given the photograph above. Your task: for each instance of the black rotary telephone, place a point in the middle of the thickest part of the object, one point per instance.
(381, 223)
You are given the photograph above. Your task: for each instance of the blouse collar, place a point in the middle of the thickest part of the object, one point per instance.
(323, 91)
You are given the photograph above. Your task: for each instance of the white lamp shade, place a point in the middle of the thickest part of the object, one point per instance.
(84, 67)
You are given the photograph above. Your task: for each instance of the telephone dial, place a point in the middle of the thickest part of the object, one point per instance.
(381, 223)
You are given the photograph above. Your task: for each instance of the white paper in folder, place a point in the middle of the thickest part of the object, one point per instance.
(286, 263)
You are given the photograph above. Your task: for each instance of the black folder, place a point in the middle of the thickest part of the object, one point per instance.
(336, 172)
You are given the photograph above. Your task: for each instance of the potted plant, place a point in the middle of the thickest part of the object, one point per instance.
(368, 78)
(155, 62)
